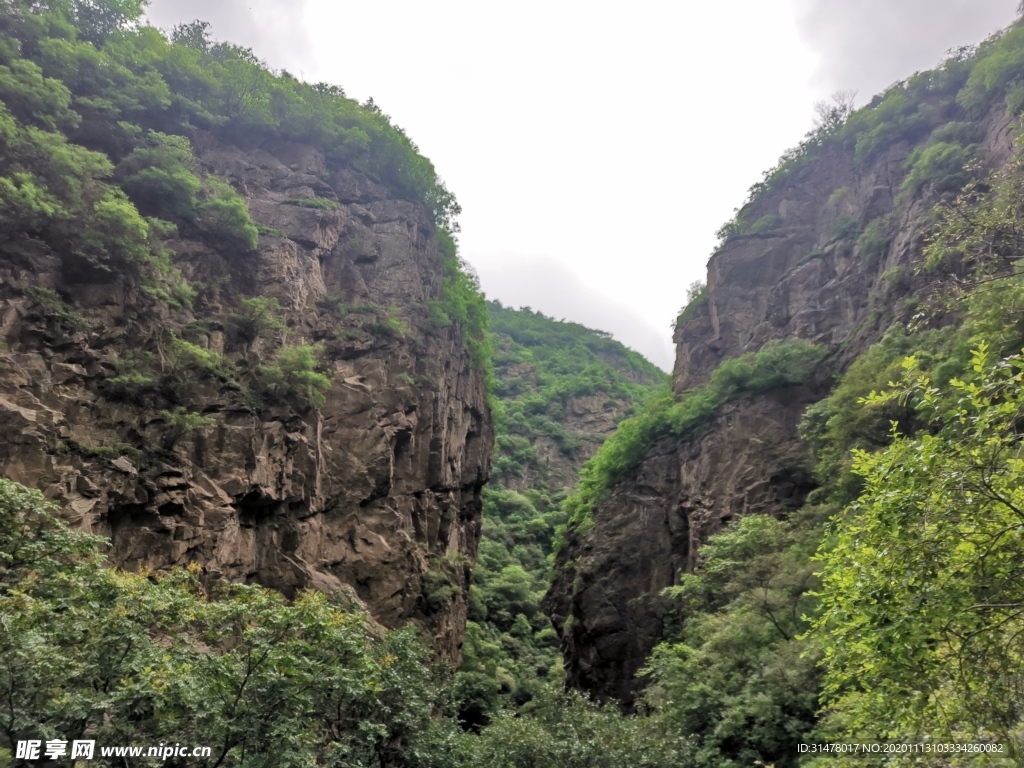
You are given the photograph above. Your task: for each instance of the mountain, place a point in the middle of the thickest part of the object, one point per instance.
(686, 580)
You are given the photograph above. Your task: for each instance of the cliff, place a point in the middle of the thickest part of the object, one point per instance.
(374, 492)
(825, 252)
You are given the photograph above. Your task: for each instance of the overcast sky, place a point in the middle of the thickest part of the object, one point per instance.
(596, 147)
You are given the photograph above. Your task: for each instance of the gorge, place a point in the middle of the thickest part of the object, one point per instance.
(277, 478)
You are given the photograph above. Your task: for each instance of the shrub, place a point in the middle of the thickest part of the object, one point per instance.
(52, 307)
(874, 241)
(463, 304)
(183, 421)
(768, 223)
(258, 317)
(112, 655)
(945, 166)
(160, 178)
(185, 359)
(263, 229)
(294, 377)
(696, 295)
(224, 214)
(845, 227)
(129, 386)
(393, 324)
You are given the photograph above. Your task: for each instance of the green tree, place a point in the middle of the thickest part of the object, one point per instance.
(921, 582)
(293, 376)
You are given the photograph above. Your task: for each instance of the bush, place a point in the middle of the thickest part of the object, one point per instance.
(874, 241)
(944, 166)
(183, 421)
(114, 656)
(160, 177)
(258, 317)
(52, 307)
(225, 215)
(294, 377)
(185, 359)
(768, 223)
(845, 227)
(696, 295)
(129, 386)
(263, 229)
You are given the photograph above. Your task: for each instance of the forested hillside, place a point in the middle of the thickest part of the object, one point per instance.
(276, 480)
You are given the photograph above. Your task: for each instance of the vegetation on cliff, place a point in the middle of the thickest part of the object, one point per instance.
(98, 118)
(773, 366)
(560, 389)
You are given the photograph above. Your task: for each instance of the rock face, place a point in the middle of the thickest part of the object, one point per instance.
(808, 276)
(587, 420)
(376, 493)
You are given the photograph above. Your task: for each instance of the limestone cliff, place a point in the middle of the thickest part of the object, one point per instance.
(375, 493)
(829, 260)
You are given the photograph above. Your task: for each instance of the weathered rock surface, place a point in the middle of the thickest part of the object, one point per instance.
(365, 494)
(802, 279)
(588, 420)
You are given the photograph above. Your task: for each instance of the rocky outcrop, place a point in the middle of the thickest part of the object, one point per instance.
(805, 275)
(376, 494)
(587, 420)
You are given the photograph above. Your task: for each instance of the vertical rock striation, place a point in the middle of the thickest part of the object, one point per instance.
(376, 494)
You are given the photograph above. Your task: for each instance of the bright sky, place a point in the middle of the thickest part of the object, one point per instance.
(596, 147)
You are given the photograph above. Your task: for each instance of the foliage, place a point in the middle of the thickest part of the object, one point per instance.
(774, 365)
(874, 241)
(185, 359)
(224, 214)
(183, 421)
(258, 317)
(981, 227)
(696, 295)
(53, 307)
(160, 176)
(462, 303)
(128, 386)
(391, 324)
(767, 223)
(263, 229)
(94, 104)
(293, 377)
(511, 650)
(1000, 66)
(920, 626)
(845, 227)
(733, 676)
(92, 652)
(568, 730)
(943, 165)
